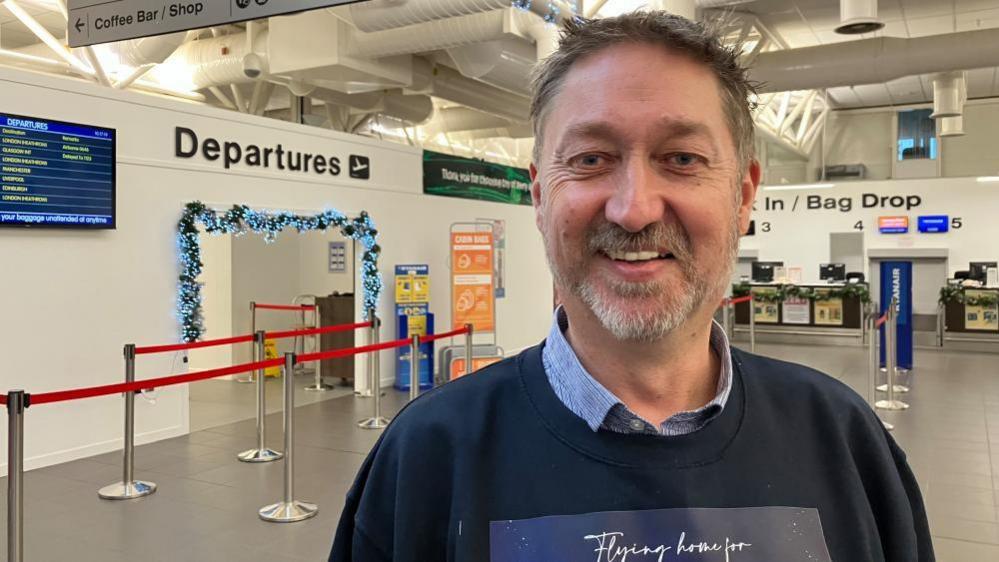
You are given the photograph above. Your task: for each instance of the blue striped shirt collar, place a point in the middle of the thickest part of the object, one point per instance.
(599, 407)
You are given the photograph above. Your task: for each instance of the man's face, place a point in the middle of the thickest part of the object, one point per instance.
(639, 194)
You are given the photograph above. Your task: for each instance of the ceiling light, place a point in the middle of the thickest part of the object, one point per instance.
(799, 186)
(858, 16)
(987, 179)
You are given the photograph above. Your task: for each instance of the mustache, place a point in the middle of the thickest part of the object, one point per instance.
(609, 237)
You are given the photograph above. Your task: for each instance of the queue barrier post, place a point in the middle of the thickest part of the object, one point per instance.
(261, 453)
(17, 401)
(872, 359)
(414, 367)
(253, 330)
(318, 385)
(468, 348)
(726, 317)
(896, 388)
(891, 327)
(376, 421)
(752, 325)
(289, 509)
(129, 488)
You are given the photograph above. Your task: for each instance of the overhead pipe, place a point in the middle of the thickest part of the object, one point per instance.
(872, 61)
(378, 15)
(411, 109)
(449, 84)
(858, 16)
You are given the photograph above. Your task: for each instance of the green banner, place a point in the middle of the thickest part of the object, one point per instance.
(454, 176)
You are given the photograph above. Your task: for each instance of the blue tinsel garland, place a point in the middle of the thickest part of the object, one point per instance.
(240, 219)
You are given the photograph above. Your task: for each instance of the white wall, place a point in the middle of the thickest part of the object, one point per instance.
(216, 274)
(73, 298)
(799, 236)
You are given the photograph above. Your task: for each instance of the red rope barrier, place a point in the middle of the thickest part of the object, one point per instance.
(451, 334)
(746, 298)
(3, 399)
(338, 353)
(881, 320)
(295, 307)
(192, 345)
(91, 392)
(314, 331)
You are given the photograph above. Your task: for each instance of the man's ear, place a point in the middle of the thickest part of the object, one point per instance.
(536, 195)
(749, 186)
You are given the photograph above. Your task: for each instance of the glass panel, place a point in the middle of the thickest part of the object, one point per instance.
(917, 135)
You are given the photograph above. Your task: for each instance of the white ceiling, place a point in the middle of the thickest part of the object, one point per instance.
(801, 23)
(806, 23)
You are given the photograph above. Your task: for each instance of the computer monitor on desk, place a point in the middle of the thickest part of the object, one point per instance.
(978, 270)
(832, 272)
(763, 271)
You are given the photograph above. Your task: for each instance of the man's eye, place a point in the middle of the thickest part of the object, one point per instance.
(591, 160)
(683, 159)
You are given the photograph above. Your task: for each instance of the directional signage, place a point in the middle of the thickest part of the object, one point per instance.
(102, 21)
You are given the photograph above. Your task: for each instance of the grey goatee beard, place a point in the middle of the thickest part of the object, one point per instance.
(672, 302)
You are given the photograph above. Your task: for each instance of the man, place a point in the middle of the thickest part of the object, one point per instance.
(634, 433)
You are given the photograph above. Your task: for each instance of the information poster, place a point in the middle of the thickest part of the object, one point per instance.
(828, 312)
(412, 284)
(458, 365)
(472, 296)
(499, 255)
(980, 317)
(795, 310)
(765, 312)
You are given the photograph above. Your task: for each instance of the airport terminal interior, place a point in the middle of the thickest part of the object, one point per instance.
(240, 236)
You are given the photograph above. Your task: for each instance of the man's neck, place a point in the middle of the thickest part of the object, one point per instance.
(657, 379)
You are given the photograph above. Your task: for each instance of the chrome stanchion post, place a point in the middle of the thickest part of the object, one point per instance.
(752, 325)
(253, 330)
(726, 319)
(414, 367)
(128, 488)
(376, 421)
(289, 509)
(872, 360)
(941, 322)
(261, 453)
(890, 360)
(469, 348)
(318, 385)
(17, 401)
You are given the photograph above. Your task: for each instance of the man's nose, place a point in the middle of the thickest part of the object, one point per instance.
(637, 200)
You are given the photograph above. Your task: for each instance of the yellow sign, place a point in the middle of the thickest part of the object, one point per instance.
(271, 352)
(766, 312)
(412, 287)
(828, 312)
(417, 325)
(980, 317)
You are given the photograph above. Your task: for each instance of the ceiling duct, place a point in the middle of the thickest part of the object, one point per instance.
(949, 94)
(858, 16)
(412, 110)
(505, 63)
(950, 126)
(872, 61)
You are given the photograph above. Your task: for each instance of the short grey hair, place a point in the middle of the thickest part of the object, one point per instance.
(580, 38)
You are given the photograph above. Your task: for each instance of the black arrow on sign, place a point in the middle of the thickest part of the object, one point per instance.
(79, 24)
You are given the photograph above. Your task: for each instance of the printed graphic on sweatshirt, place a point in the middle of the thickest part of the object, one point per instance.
(745, 534)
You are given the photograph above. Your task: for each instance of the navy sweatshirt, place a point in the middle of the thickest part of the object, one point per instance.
(493, 467)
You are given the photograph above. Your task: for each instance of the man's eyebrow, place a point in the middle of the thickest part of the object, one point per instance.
(669, 127)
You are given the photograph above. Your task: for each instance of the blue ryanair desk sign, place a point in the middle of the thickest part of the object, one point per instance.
(896, 282)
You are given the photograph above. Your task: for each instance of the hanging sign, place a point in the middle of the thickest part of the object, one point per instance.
(472, 296)
(454, 176)
(101, 21)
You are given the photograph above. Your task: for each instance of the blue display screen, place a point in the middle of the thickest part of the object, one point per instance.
(933, 223)
(55, 174)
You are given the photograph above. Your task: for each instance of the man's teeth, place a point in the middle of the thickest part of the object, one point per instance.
(635, 256)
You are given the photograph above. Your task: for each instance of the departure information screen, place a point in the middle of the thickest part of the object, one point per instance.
(55, 174)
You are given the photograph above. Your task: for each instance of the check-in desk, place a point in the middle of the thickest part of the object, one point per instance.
(970, 314)
(803, 313)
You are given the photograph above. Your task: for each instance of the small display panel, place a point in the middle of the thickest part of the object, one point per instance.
(933, 223)
(893, 225)
(55, 174)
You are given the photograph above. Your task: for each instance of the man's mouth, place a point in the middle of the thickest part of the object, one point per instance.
(637, 256)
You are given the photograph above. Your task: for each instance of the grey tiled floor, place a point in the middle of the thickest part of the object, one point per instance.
(205, 509)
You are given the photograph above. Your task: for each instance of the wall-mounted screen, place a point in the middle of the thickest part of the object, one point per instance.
(933, 223)
(893, 225)
(55, 174)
